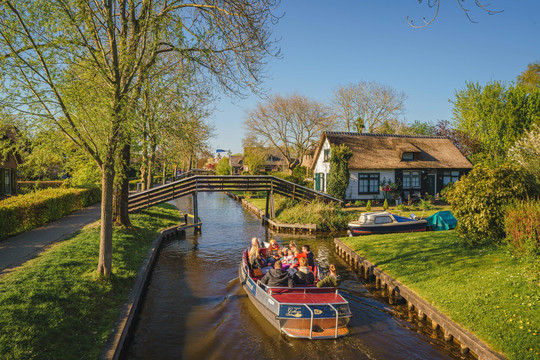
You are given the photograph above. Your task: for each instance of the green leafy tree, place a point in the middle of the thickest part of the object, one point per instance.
(478, 201)
(338, 177)
(80, 66)
(223, 167)
(530, 78)
(496, 116)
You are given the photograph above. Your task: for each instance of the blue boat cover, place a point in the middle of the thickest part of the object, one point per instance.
(442, 220)
(402, 218)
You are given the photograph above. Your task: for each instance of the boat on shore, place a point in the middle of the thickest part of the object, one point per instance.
(383, 222)
(300, 312)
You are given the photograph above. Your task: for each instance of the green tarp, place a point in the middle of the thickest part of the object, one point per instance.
(442, 220)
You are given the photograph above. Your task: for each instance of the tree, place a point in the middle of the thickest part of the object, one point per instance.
(526, 152)
(255, 154)
(461, 140)
(290, 124)
(80, 66)
(223, 167)
(366, 106)
(338, 177)
(436, 4)
(419, 128)
(495, 115)
(530, 78)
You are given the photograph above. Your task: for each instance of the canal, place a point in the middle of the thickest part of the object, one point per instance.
(195, 307)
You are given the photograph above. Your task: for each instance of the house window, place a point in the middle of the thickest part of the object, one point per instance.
(411, 179)
(408, 156)
(368, 183)
(326, 156)
(450, 177)
(7, 181)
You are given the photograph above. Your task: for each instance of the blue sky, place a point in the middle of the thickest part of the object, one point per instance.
(329, 43)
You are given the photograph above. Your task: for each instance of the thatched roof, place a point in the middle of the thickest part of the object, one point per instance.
(382, 151)
(237, 160)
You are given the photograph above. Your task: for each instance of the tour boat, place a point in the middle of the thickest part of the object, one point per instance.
(384, 222)
(300, 312)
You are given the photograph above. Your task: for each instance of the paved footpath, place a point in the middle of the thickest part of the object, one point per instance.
(16, 250)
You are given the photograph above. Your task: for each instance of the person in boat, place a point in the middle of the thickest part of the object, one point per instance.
(256, 261)
(309, 255)
(292, 245)
(330, 280)
(289, 258)
(304, 276)
(277, 277)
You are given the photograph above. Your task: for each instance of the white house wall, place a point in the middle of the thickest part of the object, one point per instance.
(352, 189)
(320, 165)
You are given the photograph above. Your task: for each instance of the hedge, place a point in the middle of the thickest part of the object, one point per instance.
(25, 212)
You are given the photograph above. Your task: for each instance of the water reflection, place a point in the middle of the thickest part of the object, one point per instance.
(195, 307)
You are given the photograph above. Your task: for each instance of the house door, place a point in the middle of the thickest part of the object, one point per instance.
(432, 184)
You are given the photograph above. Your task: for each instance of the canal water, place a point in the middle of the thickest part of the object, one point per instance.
(195, 307)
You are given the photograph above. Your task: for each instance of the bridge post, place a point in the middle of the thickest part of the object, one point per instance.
(195, 211)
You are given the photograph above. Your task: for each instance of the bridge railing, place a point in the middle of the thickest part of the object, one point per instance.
(208, 183)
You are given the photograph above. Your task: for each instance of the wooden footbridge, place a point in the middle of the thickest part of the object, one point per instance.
(191, 185)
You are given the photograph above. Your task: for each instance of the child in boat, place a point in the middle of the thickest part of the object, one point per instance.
(309, 254)
(330, 280)
(289, 258)
(303, 276)
(277, 277)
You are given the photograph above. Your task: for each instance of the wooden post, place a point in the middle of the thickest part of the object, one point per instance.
(266, 213)
(195, 209)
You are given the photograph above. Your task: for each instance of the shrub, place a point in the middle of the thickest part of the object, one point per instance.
(368, 205)
(478, 201)
(25, 212)
(402, 207)
(359, 203)
(425, 205)
(522, 226)
(25, 187)
(385, 205)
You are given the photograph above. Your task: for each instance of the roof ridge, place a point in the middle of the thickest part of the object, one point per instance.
(384, 135)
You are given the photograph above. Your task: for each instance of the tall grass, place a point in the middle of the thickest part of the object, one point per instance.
(327, 217)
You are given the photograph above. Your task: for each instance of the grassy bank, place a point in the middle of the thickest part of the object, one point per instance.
(54, 307)
(487, 291)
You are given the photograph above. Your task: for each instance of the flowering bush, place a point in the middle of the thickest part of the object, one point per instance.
(25, 212)
(522, 225)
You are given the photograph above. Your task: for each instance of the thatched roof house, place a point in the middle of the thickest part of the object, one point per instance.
(417, 164)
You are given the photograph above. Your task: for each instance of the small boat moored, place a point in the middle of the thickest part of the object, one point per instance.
(383, 222)
(300, 312)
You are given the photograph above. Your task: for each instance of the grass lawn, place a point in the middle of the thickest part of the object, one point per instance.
(487, 291)
(54, 307)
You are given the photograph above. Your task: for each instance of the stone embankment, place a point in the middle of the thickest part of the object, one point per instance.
(398, 293)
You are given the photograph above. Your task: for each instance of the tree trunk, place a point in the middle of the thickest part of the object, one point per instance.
(163, 180)
(121, 198)
(105, 242)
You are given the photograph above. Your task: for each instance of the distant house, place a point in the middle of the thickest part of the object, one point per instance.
(275, 161)
(419, 165)
(8, 164)
(236, 162)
